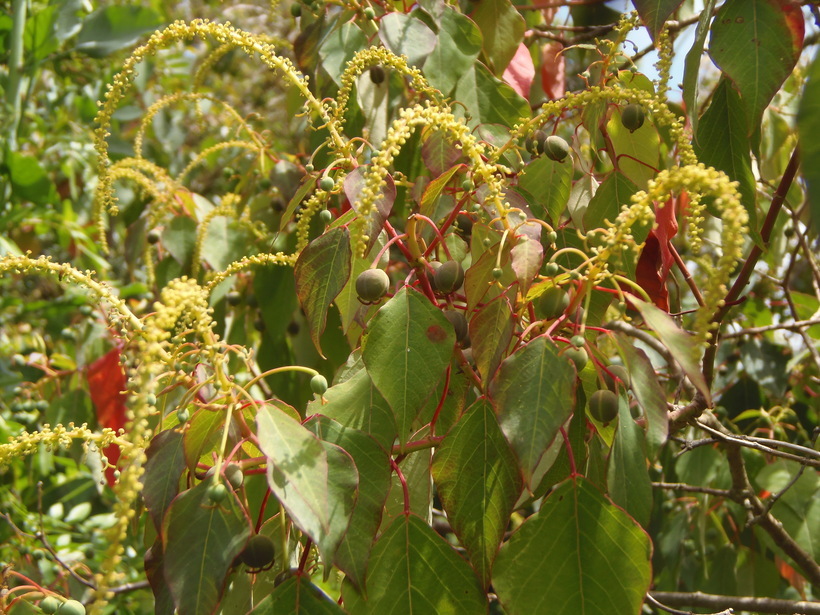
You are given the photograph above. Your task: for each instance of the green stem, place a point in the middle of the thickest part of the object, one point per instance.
(15, 68)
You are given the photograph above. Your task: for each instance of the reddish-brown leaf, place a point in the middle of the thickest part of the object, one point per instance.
(106, 384)
(521, 71)
(553, 74)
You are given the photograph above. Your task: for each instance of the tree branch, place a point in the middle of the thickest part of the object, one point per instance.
(740, 603)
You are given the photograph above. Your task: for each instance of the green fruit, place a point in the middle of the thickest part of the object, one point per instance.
(449, 277)
(632, 117)
(459, 322)
(153, 236)
(326, 183)
(372, 285)
(578, 356)
(603, 405)
(183, 415)
(233, 298)
(464, 224)
(258, 552)
(71, 607)
(553, 302)
(497, 273)
(325, 216)
(217, 493)
(369, 12)
(296, 10)
(537, 142)
(552, 269)
(318, 384)
(467, 185)
(234, 475)
(309, 168)
(376, 74)
(49, 604)
(556, 148)
(86, 310)
(578, 341)
(619, 372)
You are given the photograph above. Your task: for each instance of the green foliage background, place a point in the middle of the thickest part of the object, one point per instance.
(204, 224)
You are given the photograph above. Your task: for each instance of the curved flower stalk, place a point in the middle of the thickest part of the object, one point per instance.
(105, 201)
(378, 56)
(701, 181)
(229, 207)
(442, 119)
(279, 258)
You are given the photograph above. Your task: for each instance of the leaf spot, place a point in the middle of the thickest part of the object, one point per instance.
(436, 333)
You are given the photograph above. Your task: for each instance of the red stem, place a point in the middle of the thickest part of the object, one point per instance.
(570, 455)
(403, 481)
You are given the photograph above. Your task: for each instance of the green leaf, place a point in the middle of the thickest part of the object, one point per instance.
(373, 464)
(226, 241)
(722, 143)
(201, 435)
(415, 467)
(163, 468)
(578, 555)
(534, 392)
(339, 47)
(638, 152)
(315, 481)
(297, 596)
(478, 481)
(502, 27)
(808, 127)
(434, 189)
(200, 541)
(29, 181)
(654, 13)
(526, 258)
(491, 330)
(648, 392)
(479, 284)
(691, 70)
(457, 47)
(321, 272)
(548, 183)
(489, 100)
(179, 238)
(405, 35)
(275, 293)
(628, 481)
(39, 35)
(757, 44)
(358, 404)
(612, 194)
(408, 346)
(676, 340)
(116, 27)
(414, 571)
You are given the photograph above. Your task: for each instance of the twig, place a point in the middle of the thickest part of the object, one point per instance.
(750, 442)
(744, 494)
(786, 326)
(741, 603)
(722, 493)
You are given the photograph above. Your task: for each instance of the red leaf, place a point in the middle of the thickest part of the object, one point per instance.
(553, 75)
(795, 23)
(667, 227)
(656, 258)
(647, 273)
(521, 71)
(106, 384)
